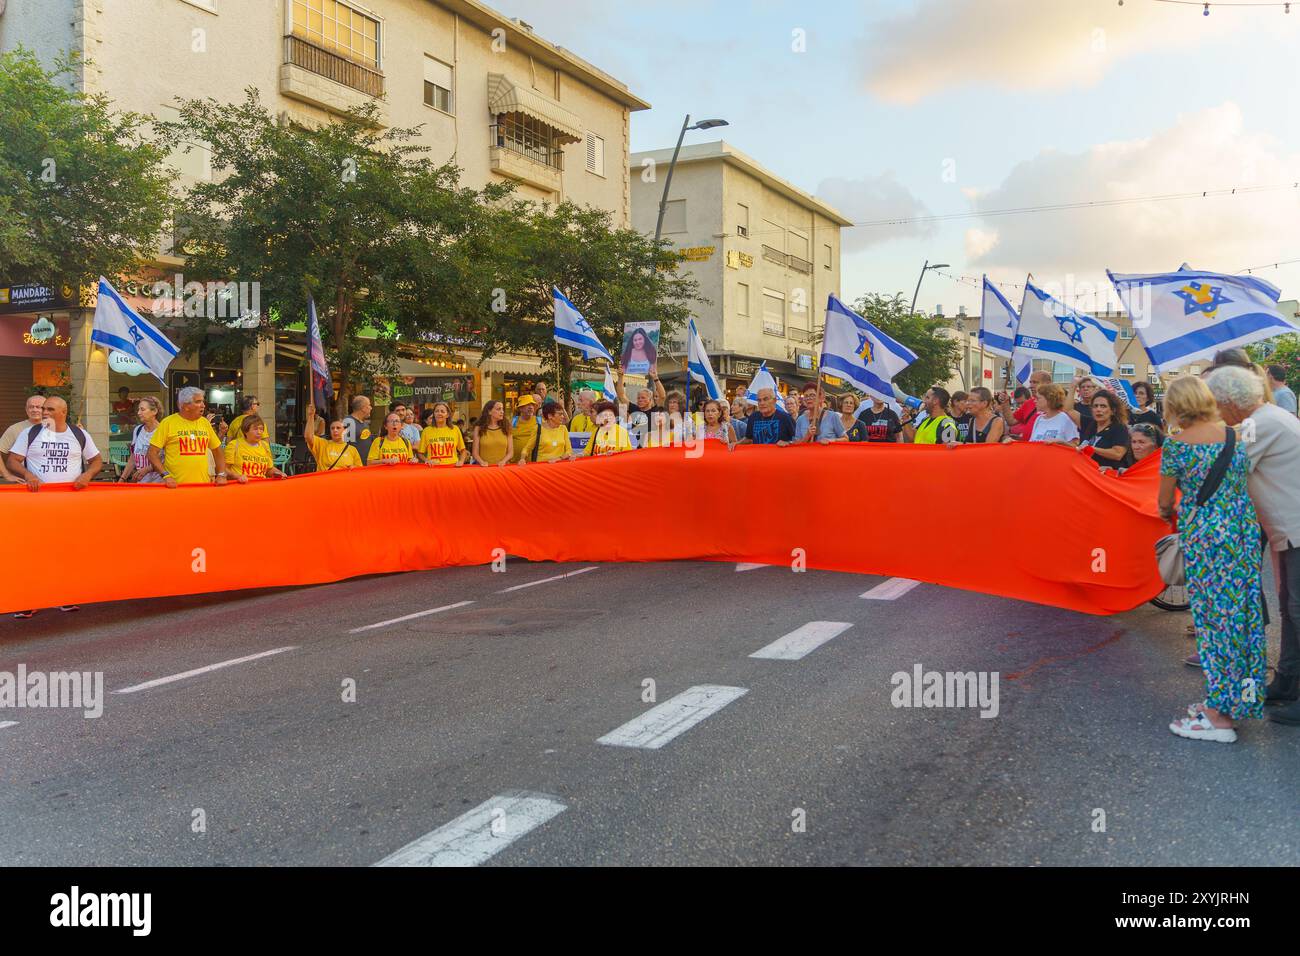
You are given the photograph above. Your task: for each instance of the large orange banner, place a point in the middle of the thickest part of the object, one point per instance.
(1033, 522)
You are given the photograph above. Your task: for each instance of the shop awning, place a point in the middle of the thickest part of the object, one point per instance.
(507, 97)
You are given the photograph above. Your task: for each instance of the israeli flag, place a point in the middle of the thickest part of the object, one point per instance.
(697, 360)
(118, 327)
(855, 350)
(1050, 329)
(998, 322)
(762, 379)
(1188, 315)
(608, 392)
(573, 330)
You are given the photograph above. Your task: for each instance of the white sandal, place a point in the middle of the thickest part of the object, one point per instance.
(1198, 727)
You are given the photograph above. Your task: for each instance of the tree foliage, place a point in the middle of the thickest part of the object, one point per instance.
(612, 275)
(354, 214)
(1284, 350)
(84, 191)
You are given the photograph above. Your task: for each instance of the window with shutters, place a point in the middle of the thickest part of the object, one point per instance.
(438, 85)
(595, 154)
(773, 312)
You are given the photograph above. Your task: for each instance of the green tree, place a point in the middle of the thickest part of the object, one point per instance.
(937, 354)
(612, 275)
(84, 191)
(350, 212)
(1284, 351)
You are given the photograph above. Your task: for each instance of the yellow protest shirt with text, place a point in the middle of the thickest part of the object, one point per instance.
(609, 438)
(552, 443)
(185, 445)
(251, 461)
(442, 445)
(384, 448)
(328, 453)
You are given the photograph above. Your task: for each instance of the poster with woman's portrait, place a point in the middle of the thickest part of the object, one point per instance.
(640, 348)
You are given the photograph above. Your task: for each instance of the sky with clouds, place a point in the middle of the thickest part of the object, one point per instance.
(964, 108)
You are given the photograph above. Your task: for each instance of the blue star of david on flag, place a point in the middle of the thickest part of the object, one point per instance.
(136, 335)
(1074, 334)
(1201, 297)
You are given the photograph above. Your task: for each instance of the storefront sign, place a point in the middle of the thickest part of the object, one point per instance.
(44, 338)
(804, 361)
(126, 364)
(696, 253)
(737, 259)
(30, 298)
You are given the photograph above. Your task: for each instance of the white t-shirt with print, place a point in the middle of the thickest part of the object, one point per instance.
(1060, 427)
(55, 457)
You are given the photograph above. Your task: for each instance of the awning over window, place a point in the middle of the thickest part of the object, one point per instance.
(507, 97)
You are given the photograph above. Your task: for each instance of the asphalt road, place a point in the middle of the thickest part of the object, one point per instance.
(473, 736)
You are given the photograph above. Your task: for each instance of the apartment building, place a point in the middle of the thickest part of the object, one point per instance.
(487, 92)
(765, 253)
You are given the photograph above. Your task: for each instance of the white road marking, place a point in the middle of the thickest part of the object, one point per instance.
(410, 617)
(751, 567)
(803, 641)
(661, 724)
(891, 590)
(158, 682)
(8, 723)
(478, 835)
(558, 577)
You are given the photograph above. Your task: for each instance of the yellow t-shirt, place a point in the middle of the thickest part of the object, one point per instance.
(384, 448)
(185, 445)
(582, 422)
(525, 433)
(552, 443)
(232, 431)
(609, 438)
(442, 446)
(252, 461)
(328, 453)
(492, 445)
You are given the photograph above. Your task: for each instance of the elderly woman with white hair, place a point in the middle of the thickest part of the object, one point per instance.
(1220, 545)
(1271, 436)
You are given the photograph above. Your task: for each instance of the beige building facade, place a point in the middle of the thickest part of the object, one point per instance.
(765, 253)
(487, 92)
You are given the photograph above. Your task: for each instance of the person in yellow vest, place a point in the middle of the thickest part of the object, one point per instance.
(248, 455)
(391, 448)
(552, 442)
(937, 427)
(610, 436)
(441, 442)
(334, 452)
(524, 429)
(492, 442)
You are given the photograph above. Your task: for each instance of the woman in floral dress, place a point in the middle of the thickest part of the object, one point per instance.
(1220, 542)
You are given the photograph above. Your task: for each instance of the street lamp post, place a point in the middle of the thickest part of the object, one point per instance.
(924, 269)
(663, 208)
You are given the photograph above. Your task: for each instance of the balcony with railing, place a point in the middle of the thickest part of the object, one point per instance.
(526, 149)
(774, 255)
(306, 66)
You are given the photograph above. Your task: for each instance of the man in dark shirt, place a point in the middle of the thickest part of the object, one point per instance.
(1084, 389)
(769, 425)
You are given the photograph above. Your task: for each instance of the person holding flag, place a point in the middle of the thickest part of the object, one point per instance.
(701, 369)
(1184, 316)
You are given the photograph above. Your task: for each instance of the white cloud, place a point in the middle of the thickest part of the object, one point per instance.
(1209, 149)
(879, 197)
(1021, 44)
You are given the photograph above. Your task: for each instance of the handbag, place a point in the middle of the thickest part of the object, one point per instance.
(1169, 549)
